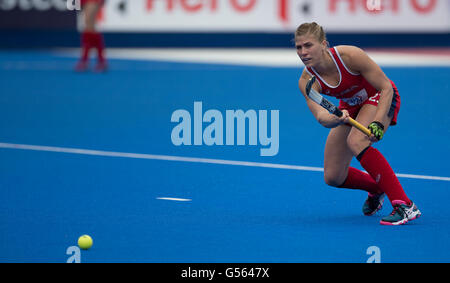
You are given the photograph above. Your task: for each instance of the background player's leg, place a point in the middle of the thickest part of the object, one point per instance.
(90, 38)
(86, 46)
(91, 11)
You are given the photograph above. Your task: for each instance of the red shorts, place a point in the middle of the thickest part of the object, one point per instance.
(393, 111)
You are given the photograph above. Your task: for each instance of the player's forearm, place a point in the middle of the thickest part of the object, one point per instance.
(322, 116)
(328, 120)
(384, 104)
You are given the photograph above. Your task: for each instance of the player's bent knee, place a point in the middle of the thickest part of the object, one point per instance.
(333, 180)
(357, 143)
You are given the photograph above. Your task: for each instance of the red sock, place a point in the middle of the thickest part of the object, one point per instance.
(356, 179)
(86, 44)
(99, 45)
(380, 170)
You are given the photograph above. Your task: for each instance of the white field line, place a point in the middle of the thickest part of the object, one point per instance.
(268, 57)
(188, 159)
(175, 199)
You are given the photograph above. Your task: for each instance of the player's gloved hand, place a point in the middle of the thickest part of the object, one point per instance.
(377, 129)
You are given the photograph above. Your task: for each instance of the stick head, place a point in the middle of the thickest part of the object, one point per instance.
(310, 84)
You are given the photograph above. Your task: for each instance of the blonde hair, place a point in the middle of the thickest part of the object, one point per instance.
(313, 29)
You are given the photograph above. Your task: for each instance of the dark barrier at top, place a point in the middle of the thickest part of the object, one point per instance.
(20, 15)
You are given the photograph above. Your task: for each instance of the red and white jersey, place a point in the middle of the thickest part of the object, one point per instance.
(353, 89)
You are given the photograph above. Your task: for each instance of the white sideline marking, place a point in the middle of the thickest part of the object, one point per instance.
(265, 57)
(175, 199)
(187, 159)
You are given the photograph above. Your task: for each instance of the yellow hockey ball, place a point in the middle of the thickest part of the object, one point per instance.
(85, 242)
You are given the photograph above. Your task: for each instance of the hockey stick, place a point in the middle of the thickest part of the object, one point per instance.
(322, 101)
